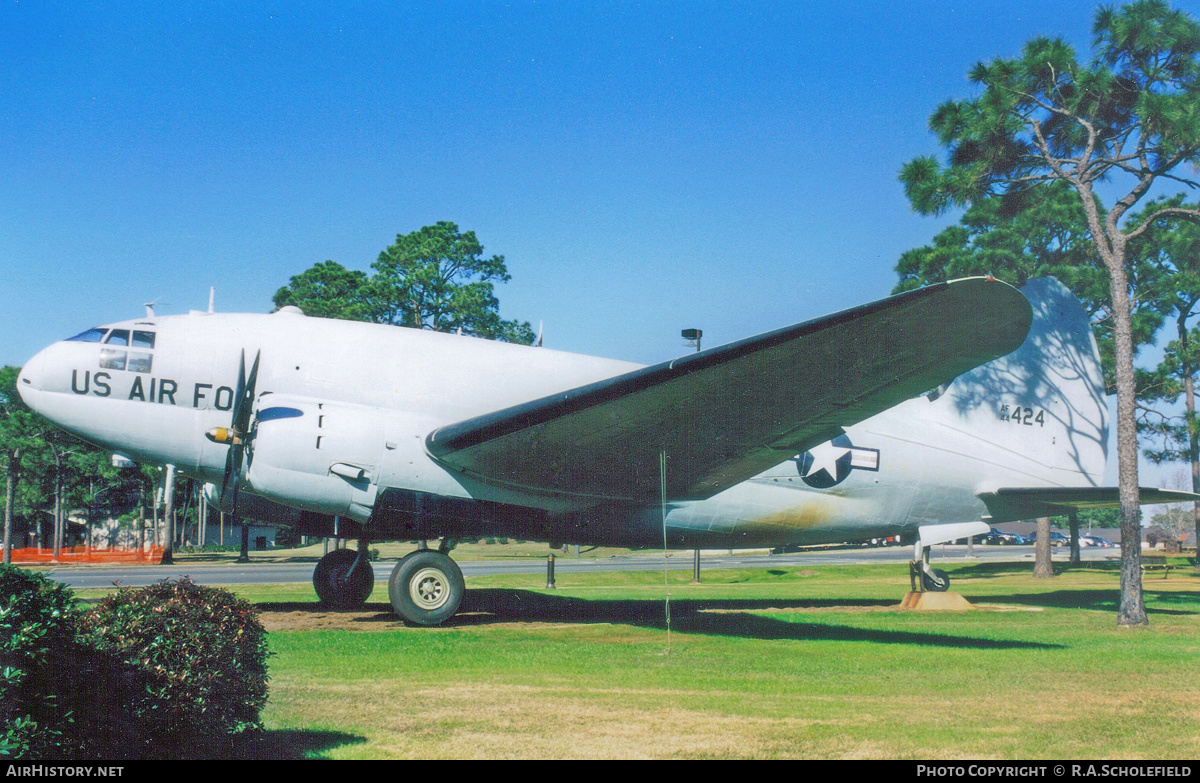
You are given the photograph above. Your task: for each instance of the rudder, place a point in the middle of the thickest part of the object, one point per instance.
(1045, 401)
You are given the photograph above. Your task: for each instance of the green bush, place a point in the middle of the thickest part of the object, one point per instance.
(37, 635)
(59, 698)
(200, 655)
(286, 537)
(170, 671)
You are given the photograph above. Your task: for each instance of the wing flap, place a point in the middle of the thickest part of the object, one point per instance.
(728, 413)
(1009, 504)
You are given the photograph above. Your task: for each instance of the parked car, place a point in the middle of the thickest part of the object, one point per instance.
(1096, 541)
(999, 537)
(1056, 538)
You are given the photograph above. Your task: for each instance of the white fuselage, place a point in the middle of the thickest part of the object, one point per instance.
(383, 389)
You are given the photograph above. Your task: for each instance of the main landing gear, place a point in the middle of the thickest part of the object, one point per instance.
(426, 587)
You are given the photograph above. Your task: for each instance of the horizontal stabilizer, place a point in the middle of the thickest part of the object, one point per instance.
(932, 535)
(1012, 503)
(726, 414)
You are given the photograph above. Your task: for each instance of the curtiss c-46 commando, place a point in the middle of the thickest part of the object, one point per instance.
(929, 415)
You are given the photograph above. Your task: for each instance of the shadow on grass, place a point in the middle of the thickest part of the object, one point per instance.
(299, 606)
(986, 570)
(735, 618)
(756, 626)
(290, 744)
(711, 617)
(1177, 597)
(1103, 600)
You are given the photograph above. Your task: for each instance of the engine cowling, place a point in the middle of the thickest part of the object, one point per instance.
(316, 455)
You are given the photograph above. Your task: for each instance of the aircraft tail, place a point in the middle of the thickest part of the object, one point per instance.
(1041, 410)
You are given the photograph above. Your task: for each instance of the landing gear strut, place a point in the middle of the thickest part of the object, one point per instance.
(344, 578)
(426, 587)
(924, 578)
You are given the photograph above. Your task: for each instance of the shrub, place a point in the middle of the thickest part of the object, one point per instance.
(287, 537)
(200, 653)
(37, 635)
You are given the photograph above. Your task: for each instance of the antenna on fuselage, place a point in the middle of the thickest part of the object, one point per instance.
(150, 307)
(212, 291)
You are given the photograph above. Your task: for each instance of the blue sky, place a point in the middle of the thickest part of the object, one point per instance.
(643, 167)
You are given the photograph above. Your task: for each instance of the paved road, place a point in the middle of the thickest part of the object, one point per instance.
(261, 573)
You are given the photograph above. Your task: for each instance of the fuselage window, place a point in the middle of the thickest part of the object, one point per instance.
(139, 362)
(118, 337)
(90, 336)
(143, 340)
(112, 360)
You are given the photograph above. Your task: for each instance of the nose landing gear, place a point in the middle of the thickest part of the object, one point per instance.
(344, 578)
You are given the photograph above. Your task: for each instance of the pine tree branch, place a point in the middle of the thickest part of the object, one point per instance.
(1193, 214)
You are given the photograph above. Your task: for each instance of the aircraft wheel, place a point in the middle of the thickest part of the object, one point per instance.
(335, 586)
(426, 587)
(939, 583)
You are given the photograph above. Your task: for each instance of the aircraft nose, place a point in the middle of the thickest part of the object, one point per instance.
(29, 380)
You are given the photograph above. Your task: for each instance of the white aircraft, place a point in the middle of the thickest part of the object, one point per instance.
(929, 414)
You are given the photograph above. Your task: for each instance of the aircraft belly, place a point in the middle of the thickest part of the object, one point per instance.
(774, 512)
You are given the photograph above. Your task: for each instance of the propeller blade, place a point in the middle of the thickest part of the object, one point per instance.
(253, 379)
(238, 396)
(241, 411)
(228, 471)
(240, 421)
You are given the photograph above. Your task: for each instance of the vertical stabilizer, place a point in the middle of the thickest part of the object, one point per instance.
(1044, 402)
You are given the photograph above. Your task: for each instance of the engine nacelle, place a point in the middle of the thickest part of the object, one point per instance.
(314, 455)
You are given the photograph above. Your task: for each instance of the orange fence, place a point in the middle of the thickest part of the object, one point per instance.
(83, 554)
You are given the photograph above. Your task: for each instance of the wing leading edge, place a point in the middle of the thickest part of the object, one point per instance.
(728, 413)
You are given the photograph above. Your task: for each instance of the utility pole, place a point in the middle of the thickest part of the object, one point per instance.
(244, 555)
(203, 519)
(169, 516)
(693, 337)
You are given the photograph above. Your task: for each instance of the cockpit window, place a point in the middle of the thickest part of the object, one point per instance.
(114, 356)
(90, 336)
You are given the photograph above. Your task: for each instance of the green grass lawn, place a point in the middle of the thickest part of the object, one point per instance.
(793, 662)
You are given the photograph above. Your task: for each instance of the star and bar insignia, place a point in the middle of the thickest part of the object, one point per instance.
(830, 463)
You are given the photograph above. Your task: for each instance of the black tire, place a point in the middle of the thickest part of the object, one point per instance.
(426, 588)
(335, 587)
(940, 582)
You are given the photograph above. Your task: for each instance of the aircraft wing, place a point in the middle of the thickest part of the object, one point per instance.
(1012, 503)
(726, 414)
